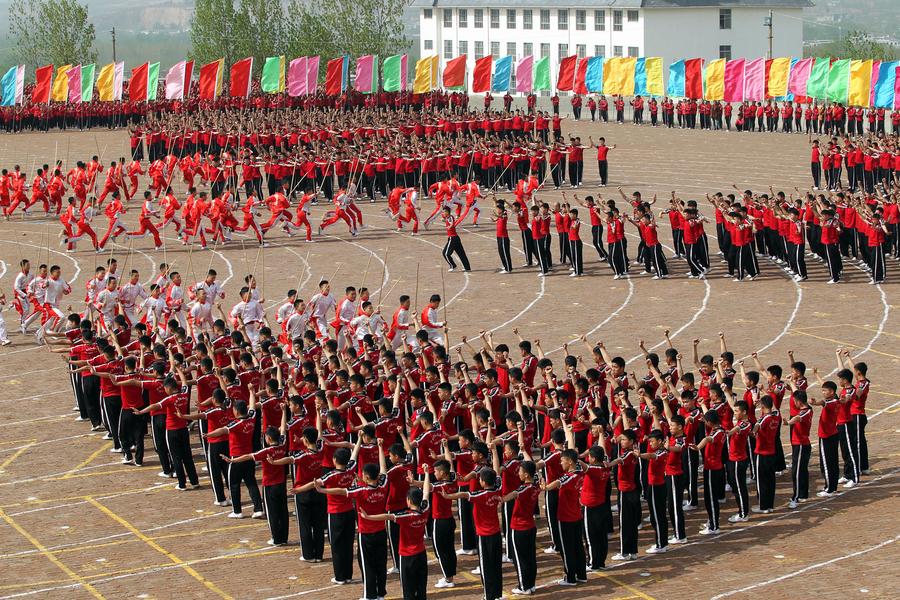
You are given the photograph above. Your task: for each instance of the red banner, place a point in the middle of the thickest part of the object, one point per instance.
(334, 76)
(481, 76)
(240, 78)
(43, 81)
(565, 82)
(137, 85)
(581, 76)
(693, 78)
(455, 72)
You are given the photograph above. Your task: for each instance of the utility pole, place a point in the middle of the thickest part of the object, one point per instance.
(113, 33)
(767, 22)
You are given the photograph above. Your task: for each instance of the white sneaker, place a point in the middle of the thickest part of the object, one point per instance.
(657, 549)
(843, 480)
(727, 487)
(235, 515)
(551, 550)
(824, 494)
(258, 515)
(222, 503)
(850, 484)
(621, 557)
(563, 582)
(688, 507)
(476, 571)
(506, 559)
(162, 474)
(761, 511)
(792, 504)
(443, 583)
(707, 531)
(737, 519)
(675, 540)
(518, 592)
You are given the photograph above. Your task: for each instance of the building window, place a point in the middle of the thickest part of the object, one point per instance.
(633, 51)
(429, 44)
(617, 20)
(563, 51)
(448, 49)
(580, 20)
(562, 19)
(581, 50)
(545, 19)
(724, 18)
(599, 20)
(725, 52)
(511, 19)
(599, 50)
(463, 48)
(527, 22)
(510, 48)
(463, 18)
(427, 13)
(632, 16)
(479, 18)
(448, 18)
(495, 18)
(495, 49)
(545, 50)
(617, 50)
(479, 50)
(527, 49)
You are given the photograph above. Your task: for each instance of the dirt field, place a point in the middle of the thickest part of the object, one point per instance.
(77, 523)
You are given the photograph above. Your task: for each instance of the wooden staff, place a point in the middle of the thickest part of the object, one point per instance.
(366, 272)
(396, 281)
(416, 296)
(381, 281)
(444, 302)
(300, 278)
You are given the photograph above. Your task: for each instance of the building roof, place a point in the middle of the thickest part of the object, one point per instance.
(611, 3)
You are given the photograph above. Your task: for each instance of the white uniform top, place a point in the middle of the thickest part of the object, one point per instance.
(162, 282)
(346, 311)
(201, 313)
(106, 303)
(361, 326)
(93, 287)
(153, 308)
(254, 294)
(20, 287)
(130, 293)
(37, 289)
(175, 298)
(321, 305)
(214, 290)
(106, 277)
(55, 290)
(296, 325)
(377, 324)
(249, 312)
(284, 312)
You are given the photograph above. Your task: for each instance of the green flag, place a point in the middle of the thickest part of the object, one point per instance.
(273, 75)
(152, 81)
(393, 73)
(87, 83)
(541, 74)
(839, 81)
(817, 85)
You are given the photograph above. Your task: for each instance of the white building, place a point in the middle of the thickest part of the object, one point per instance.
(671, 29)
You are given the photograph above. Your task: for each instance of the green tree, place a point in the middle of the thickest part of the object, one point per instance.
(859, 45)
(355, 28)
(51, 31)
(261, 27)
(215, 32)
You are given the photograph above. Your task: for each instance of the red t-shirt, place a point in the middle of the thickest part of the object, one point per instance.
(712, 451)
(569, 509)
(484, 509)
(627, 473)
(372, 500)
(737, 443)
(271, 474)
(340, 479)
(240, 435)
(412, 524)
(523, 508)
(800, 429)
(828, 419)
(656, 468)
(174, 404)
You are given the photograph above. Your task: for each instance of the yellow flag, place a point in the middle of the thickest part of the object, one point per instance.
(779, 72)
(625, 75)
(60, 90)
(425, 67)
(653, 67)
(860, 82)
(715, 80)
(106, 82)
(610, 71)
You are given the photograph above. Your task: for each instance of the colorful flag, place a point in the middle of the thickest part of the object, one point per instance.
(618, 75)
(653, 65)
(481, 74)
(210, 84)
(593, 79)
(335, 76)
(734, 80)
(74, 84)
(272, 79)
(715, 80)
(693, 78)
(394, 73)
(60, 91)
(897, 89)
(175, 81)
(525, 74)
(87, 82)
(454, 75)
(426, 75)
(296, 77)
(676, 79)
(640, 77)
(876, 64)
(137, 85)
(884, 87)
(502, 74)
(777, 77)
(241, 76)
(839, 81)
(188, 74)
(817, 84)
(755, 79)
(364, 81)
(13, 86)
(312, 75)
(565, 79)
(800, 76)
(541, 74)
(105, 80)
(152, 81)
(581, 76)
(860, 82)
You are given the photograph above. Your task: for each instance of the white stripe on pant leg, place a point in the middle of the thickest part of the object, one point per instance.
(232, 495)
(461, 528)
(675, 505)
(824, 464)
(518, 562)
(758, 478)
(562, 549)
(362, 561)
(655, 516)
(856, 421)
(797, 474)
(268, 518)
(481, 564)
(621, 529)
(850, 452)
(434, 544)
(587, 535)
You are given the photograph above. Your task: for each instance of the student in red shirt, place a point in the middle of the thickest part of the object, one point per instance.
(799, 424)
(739, 459)
(576, 246)
(713, 473)
(828, 436)
(454, 245)
(766, 430)
(628, 480)
(501, 218)
(657, 458)
(176, 403)
(412, 523)
(570, 515)
(523, 530)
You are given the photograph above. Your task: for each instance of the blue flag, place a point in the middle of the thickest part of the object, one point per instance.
(8, 86)
(502, 72)
(676, 79)
(593, 79)
(640, 78)
(885, 87)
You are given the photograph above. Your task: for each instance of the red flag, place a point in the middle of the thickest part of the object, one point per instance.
(188, 73)
(481, 75)
(565, 81)
(580, 76)
(240, 78)
(768, 68)
(210, 80)
(137, 85)
(455, 72)
(43, 81)
(693, 78)
(334, 75)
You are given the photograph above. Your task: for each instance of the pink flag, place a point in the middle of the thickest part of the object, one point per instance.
(364, 74)
(876, 64)
(755, 79)
(312, 75)
(799, 76)
(296, 77)
(175, 81)
(734, 80)
(524, 71)
(74, 75)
